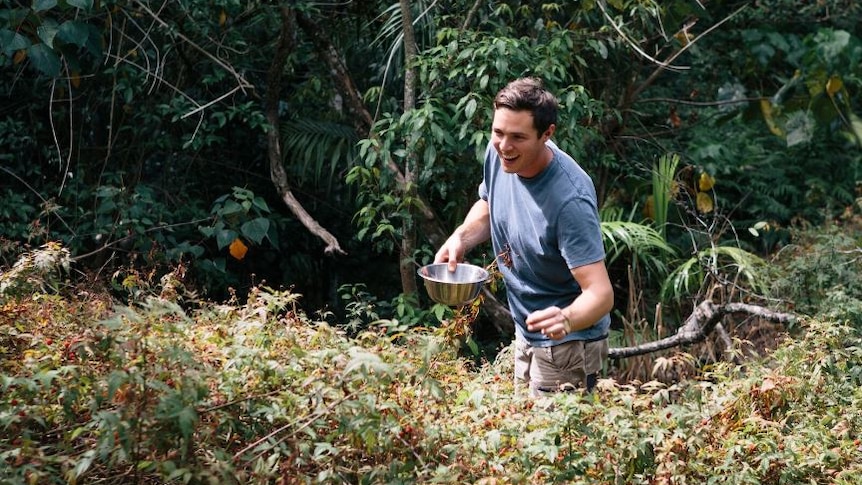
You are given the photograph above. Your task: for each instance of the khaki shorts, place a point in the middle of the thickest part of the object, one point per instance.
(568, 366)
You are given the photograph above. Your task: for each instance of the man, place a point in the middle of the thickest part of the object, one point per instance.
(539, 209)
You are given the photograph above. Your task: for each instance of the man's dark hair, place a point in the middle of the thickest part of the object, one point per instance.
(528, 94)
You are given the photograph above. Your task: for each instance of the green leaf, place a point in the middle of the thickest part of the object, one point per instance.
(439, 310)
(44, 59)
(187, 418)
(12, 41)
(74, 32)
(474, 347)
(231, 207)
(42, 5)
(261, 204)
(256, 229)
(225, 237)
(470, 109)
(219, 264)
(46, 32)
(82, 466)
(82, 4)
(365, 361)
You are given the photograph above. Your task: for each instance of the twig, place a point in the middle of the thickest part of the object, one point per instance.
(700, 103)
(126, 238)
(633, 45)
(304, 425)
(678, 53)
(44, 202)
(238, 400)
(239, 78)
(203, 107)
(412, 450)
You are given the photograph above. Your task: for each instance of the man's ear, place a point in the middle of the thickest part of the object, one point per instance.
(549, 132)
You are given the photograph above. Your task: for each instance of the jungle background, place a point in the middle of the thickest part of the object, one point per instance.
(212, 214)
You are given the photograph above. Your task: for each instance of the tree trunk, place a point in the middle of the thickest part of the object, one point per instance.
(427, 218)
(277, 173)
(408, 229)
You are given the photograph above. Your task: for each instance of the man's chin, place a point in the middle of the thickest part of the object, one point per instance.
(509, 167)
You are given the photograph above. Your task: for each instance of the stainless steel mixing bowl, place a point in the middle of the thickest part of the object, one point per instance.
(453, 288)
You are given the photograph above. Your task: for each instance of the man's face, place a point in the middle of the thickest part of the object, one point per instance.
(521, 149)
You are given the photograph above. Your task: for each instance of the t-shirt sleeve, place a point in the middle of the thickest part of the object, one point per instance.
(580, 233)
(487, 167)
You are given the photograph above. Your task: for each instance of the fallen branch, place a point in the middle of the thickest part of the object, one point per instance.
(702, 321)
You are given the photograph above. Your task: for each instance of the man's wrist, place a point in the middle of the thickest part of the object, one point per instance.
(567, 322)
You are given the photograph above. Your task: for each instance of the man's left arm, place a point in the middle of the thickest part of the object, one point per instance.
(596, 298)
(594, 302)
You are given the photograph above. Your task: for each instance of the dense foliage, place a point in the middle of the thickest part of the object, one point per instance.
(172, 389)
(166, 314)
(127, 124)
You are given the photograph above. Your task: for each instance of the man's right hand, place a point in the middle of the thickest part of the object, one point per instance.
(475, 230)
(451, 252)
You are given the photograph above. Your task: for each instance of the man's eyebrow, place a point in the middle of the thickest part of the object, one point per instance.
(512, 133)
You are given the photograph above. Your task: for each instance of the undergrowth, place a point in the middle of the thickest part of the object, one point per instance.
(160, 391)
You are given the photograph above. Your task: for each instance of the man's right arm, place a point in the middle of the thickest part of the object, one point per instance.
(475, 230)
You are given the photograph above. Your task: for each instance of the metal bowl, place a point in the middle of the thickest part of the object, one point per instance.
(453, 288)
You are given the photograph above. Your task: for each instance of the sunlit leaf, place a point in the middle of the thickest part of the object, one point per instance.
(833, 85)
(800, 128)
(766, 110)
(706, 182)
(704, 203)
(19, 57)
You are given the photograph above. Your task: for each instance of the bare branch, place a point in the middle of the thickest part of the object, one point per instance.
(241, 81)
(633, 44)
(678, 53)
(276, 167)
(472, 13)
(703, 320)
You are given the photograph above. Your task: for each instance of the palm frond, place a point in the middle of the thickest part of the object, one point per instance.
(662, 189)
(685, 280)
(728, 264)
(646, 246)
(315, 150)
(747, 267)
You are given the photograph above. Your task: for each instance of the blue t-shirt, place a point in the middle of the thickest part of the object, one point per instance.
(546, 225)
